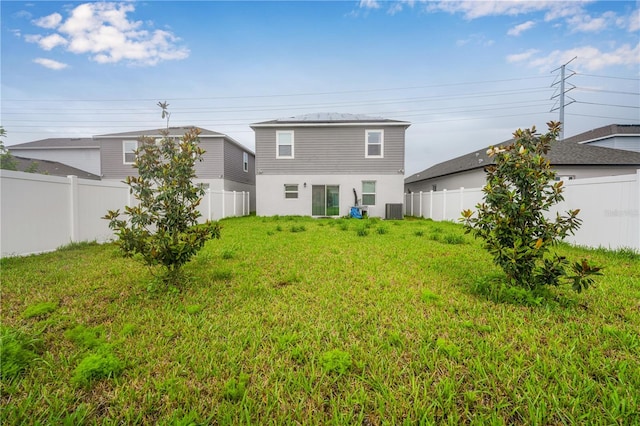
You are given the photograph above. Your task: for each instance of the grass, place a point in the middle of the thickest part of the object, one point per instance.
(317, 327)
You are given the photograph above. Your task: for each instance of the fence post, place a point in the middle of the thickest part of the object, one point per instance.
(421, 205)
(638, 191)
(444, 204)
(431, 204)
(222, 217)
(235, 211)
(73, 207)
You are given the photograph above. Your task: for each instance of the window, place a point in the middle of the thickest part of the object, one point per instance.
(284, 144)
(128, 149)
(245, 161)
(374, 144)
(434, 187)
(291, 190)
(369, 193)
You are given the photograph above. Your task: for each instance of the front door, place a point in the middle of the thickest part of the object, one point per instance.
(325, 200)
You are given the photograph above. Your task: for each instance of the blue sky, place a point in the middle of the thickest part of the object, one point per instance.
(466, 74)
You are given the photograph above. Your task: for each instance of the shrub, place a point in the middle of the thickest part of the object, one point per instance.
(163, 228)
(520, 189)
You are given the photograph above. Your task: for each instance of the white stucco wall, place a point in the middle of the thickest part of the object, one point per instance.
(271, 201)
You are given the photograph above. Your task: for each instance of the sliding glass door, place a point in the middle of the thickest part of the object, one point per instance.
(325, 200)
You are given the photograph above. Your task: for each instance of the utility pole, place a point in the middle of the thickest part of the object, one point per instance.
(561, 95)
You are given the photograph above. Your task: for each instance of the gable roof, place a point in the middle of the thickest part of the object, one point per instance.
(562, 153)
(173, 132)
(58, 143)
(52, 168)
(605, 132)
(328, 119)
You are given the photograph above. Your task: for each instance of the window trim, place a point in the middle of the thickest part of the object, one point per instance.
(375, 189)
(245, 162)
(367, 144)
(278, 144)
(296, 192)
(125, 151)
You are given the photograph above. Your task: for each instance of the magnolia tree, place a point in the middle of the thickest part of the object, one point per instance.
(513, 220)
(163, 227)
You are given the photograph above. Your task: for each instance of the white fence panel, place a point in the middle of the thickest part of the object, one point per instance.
(40, 213)
(609, 208)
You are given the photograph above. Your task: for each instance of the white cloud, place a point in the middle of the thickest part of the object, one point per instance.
(585, 23)
(631, 22)
(476, 39)
(520, 57)
(105, 33)
(473, 9)
(50, 63)
(519, 29)
(50, 21)
(369, 4)
(588, 58)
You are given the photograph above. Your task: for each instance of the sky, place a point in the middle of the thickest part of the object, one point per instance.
(465, 74)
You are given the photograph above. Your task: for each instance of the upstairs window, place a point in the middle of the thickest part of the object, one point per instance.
(129, 151)
(245, 161)
(374, 144)
(284, 144)
(290, 191)
(369, 193)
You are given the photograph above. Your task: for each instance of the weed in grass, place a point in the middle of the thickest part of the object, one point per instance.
(235, 389)
(17, 351)
(97, 366)
(429, 297)
(498, 290)
(286, 340)
(128, 329)
(193, 309)
(221, 275)
(382, 230)
(279, 228)
(448, 348)
(81, 245)
(344, 226)
(298, 354)
(87, 338)
(434, 237)
(40, 310)
(335, 361)
(453, 239)
(227, 253)
(394, 339)
(298, 228)
(362, 232)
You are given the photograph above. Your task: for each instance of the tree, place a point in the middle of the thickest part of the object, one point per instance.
(7, 162)
(520, 189)
(163, 228)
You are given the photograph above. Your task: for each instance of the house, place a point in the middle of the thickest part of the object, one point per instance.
(227, 164)
(323, 164)
(51, 168)
(618, 136)
(569, 159)
(80, 153)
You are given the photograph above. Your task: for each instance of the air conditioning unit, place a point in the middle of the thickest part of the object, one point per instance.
(393, 211)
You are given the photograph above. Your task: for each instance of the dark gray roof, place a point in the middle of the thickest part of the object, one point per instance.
(605, 132)
(58, 143)
(330, 118)
(173, 131)
(563, 153)
(52, 168)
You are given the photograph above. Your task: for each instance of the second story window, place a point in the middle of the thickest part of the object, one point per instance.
(245, 161)
(284, 144)
(129, 151)
(374, 144)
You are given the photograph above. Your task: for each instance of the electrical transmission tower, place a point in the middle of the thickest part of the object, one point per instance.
(560, 93)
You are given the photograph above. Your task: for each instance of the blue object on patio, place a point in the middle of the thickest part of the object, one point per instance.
(356, 213)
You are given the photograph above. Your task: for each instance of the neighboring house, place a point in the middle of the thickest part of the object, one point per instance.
(226, 164)
(570, 160)
(81, 153)
(51, 168)
(311, 165)
(618, 136)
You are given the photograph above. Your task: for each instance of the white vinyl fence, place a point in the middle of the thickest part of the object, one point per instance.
(609, 208)
(40, 213)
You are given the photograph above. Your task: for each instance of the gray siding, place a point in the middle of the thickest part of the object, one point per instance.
(113, 167)
(233, 166)
(330, 150)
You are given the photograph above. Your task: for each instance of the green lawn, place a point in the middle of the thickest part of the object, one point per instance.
(302, 321)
